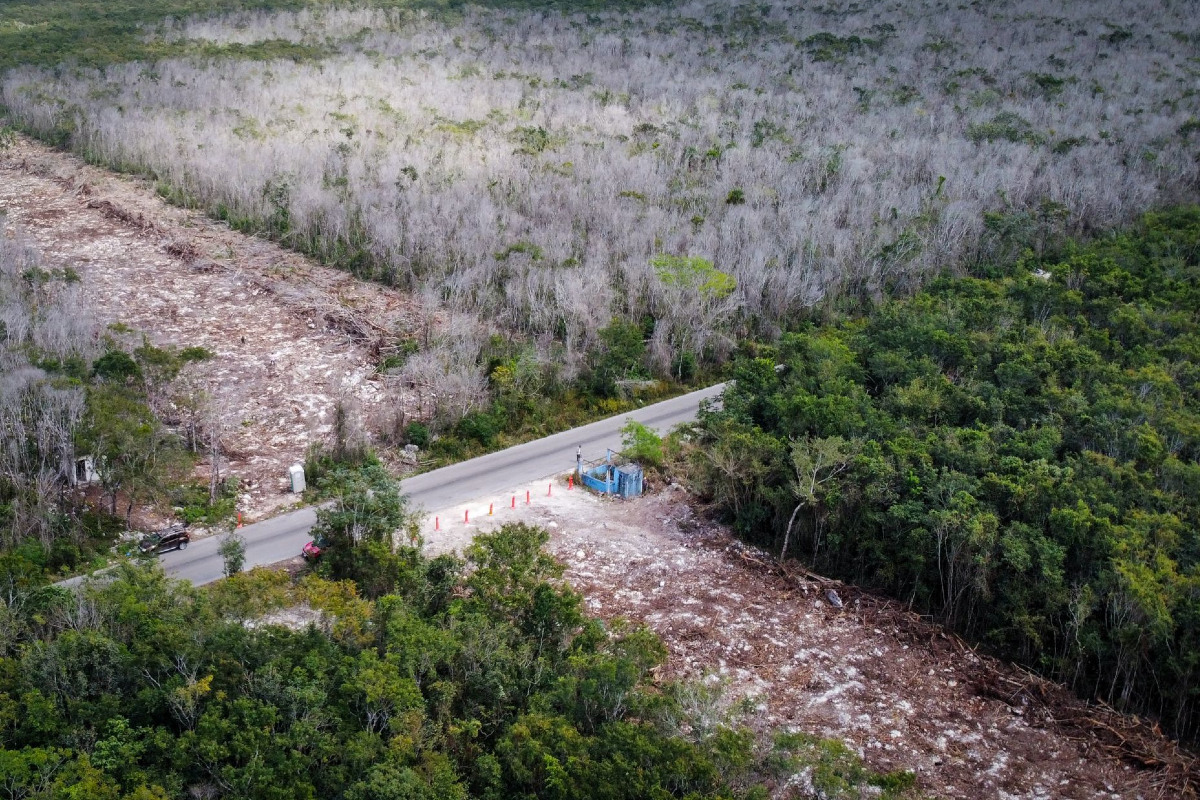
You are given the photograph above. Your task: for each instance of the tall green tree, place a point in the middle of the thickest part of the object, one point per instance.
(1017, 454)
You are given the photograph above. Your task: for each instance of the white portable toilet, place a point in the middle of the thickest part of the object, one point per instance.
(296, 477)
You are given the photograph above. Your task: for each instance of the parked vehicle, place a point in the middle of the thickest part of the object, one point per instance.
(170, 539)
(313, 549)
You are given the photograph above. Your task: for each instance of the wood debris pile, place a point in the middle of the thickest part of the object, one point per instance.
(1096, 725)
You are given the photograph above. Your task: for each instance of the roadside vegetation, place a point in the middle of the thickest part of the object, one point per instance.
(410, 678)
(73, 391)
(522, 397)
(1016, 454)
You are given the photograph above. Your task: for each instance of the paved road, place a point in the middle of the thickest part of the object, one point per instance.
(282, 537)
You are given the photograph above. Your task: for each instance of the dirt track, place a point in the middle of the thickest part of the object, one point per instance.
(289, 335)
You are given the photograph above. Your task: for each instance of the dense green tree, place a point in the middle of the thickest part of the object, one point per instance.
(477, 679)
(134, 453)
(1024, 463)
(233, 553)
(370, 537)
(621, 355)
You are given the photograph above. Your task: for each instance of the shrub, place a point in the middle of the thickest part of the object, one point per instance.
(233, 553)
(825, 46)
(481, 426)
(195, 354)
(532, 141)
(1005, 126)
(765, 129)
(1116, 34)
(449, 448)
(641, 444)
(196, 506)
(685, 366)
(1045, 85)
(621, 356)
(1065, 146)
(64, 555)
(528, 248)
(693, 273)
(116, 365)
(417, 433)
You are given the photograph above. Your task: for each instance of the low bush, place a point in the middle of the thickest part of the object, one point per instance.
(1007, 127)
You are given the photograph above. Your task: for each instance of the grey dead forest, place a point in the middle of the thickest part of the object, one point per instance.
(918, 281)
(42, 312)
(523, 170)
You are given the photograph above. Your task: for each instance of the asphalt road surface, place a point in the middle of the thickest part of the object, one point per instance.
(281, 537)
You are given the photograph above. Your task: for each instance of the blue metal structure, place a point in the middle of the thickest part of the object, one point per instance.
(625, 480)
(629, 480)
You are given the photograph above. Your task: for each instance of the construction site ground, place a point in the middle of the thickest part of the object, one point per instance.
(894, 686)
(290, 336)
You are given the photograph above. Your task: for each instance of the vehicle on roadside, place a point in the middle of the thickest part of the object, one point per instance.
(170, 539)
(313, 549)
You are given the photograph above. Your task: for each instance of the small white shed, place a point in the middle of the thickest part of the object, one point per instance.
(85, 471)
(296, 477)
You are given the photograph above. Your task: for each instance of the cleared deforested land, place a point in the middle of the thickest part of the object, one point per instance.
(708, 170)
